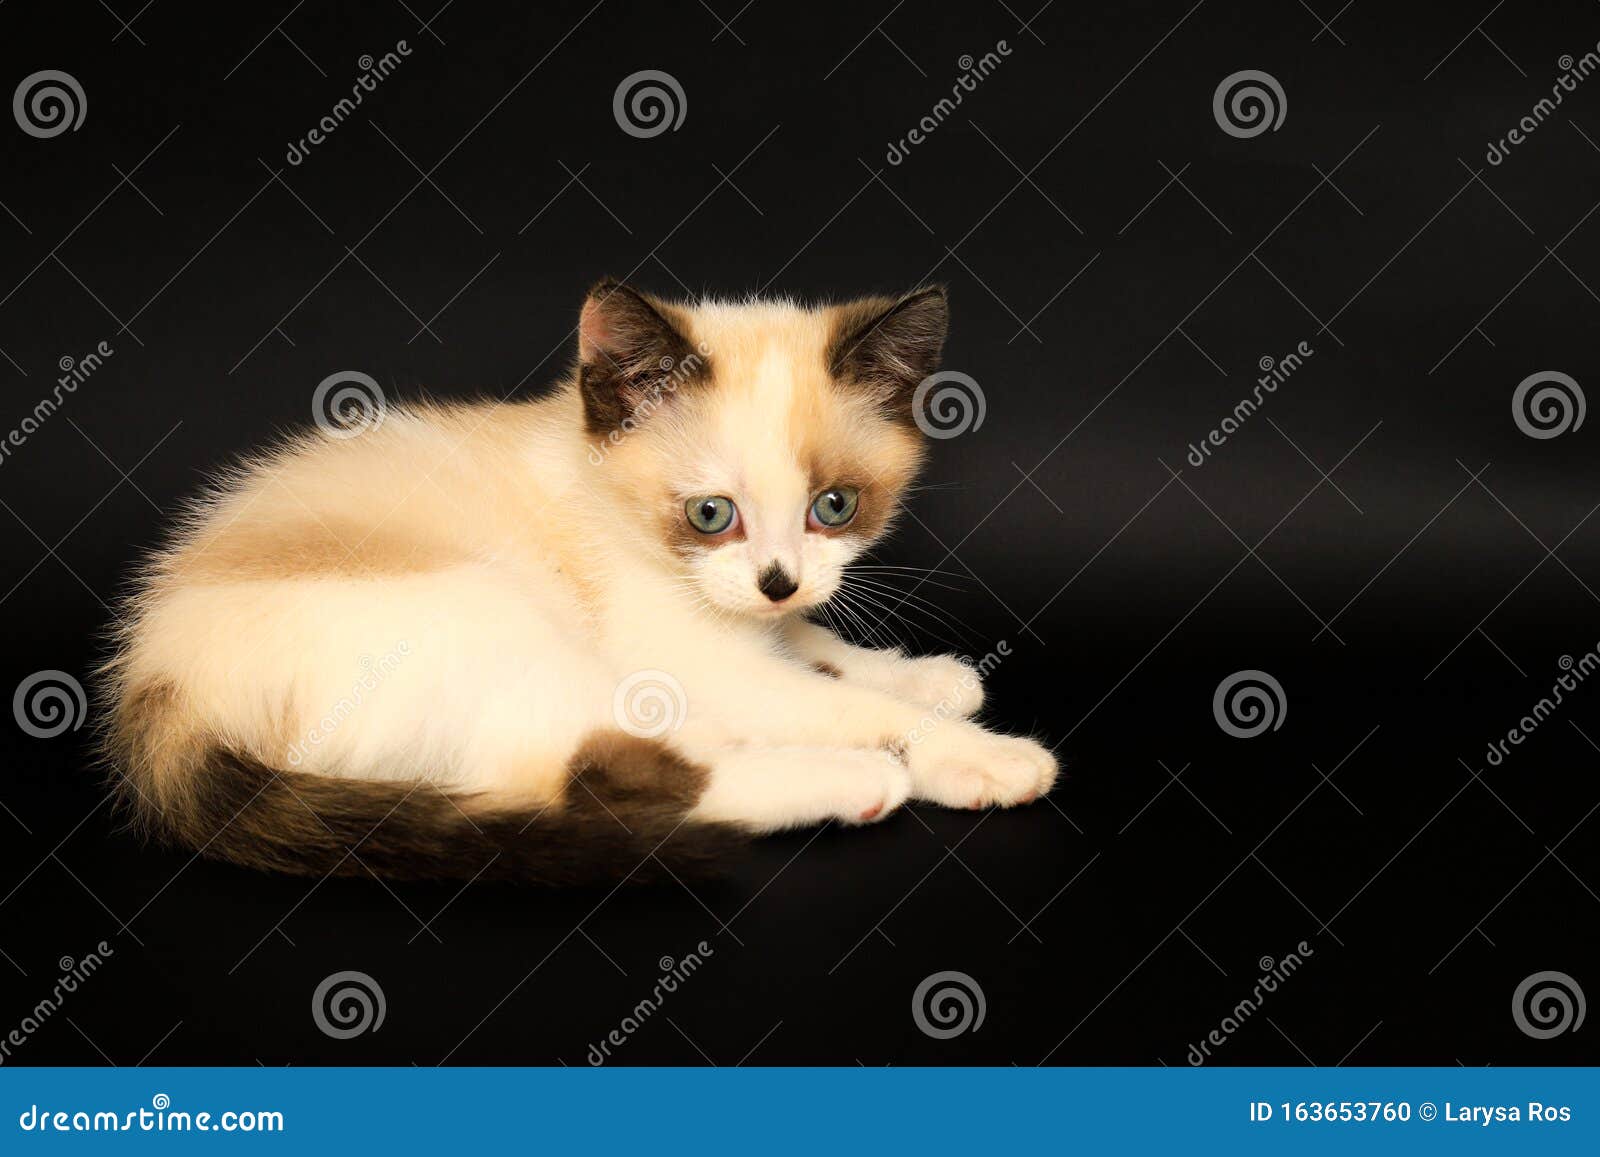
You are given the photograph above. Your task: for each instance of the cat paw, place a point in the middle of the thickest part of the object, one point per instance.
(877, 790)
(770, 789)
(972, 768)
(938, 681)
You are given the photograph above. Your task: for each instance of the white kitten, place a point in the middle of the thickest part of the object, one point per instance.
(538, 640)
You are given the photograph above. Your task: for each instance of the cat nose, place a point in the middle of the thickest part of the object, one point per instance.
(776, 583)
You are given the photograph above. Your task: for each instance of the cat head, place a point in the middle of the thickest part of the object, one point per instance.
(762, 445)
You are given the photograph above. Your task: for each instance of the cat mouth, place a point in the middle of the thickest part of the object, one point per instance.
(792, 604)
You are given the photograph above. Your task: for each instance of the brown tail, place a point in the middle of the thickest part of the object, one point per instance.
(621, 817)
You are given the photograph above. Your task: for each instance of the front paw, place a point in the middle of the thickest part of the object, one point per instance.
(938, 682)
(881, 787)
(959, 765)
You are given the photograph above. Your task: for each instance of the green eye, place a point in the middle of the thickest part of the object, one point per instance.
(711, 515)
(835, 506)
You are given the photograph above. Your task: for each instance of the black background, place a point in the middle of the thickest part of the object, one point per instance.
(487, 183)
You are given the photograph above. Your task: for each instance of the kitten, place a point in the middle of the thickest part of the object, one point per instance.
(536, 640)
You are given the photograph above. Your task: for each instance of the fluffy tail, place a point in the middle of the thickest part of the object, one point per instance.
(622, 816)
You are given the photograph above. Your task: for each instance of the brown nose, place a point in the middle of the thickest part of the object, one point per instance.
(775, 583)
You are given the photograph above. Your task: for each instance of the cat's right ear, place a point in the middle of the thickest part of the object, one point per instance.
(632, 352)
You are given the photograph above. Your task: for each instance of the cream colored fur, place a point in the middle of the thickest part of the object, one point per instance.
(461, 590)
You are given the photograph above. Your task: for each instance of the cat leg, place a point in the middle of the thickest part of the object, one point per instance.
(453, 677)
(771, 788)
(935, 681)
(763, 699)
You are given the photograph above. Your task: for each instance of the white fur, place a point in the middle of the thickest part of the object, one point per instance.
(535, 587)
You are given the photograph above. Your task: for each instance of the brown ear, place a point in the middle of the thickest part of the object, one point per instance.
(890, 344)
(631, 350)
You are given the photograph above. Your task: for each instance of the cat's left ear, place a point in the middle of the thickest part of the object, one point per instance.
(889, 345)
(632, 351)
